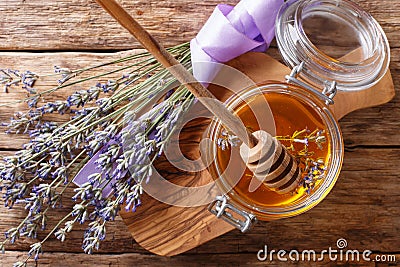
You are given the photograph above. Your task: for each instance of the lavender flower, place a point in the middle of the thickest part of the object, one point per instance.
(34, 203)
(14, 77)
(31, 227)
(227, 139)
(98, 139)
(21, 122)
(35, 250)
(316, 171)
(14, 192)
(109, 155)
(80, 212)
(85, 192)
(38, 175)
(66, 74)
(12, 234)
(133, 199)
(60, 107)
(44, 170)
(110, 86)
(304, 137)
(45, 128)
(62, 232)
(33, 101)
(95, 233)
(110, 211)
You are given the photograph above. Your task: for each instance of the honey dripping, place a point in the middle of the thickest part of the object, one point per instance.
(290, 114)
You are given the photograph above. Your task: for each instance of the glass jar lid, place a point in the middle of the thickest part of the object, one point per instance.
(336, 41)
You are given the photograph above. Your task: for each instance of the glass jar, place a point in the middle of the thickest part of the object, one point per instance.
(330, 45)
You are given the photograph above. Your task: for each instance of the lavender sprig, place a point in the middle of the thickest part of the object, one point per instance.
(227, 139)
(12, 78)
(144, 60)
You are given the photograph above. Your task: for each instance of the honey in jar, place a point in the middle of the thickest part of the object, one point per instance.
(290, 114)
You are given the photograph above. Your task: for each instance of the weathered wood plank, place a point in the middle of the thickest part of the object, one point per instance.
(382, 120)
(77, 25)
(363, 208)
(364, 203)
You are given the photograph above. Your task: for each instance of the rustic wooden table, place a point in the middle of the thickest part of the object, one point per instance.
(363, 208)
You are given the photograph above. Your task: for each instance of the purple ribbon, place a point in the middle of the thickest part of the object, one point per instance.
(228, 33)
(231, 32)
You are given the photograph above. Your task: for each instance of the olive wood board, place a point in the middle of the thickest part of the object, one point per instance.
(169, 230)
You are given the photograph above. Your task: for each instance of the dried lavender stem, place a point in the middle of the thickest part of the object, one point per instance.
(128, 58)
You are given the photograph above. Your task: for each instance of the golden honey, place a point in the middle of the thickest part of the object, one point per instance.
(290, 114)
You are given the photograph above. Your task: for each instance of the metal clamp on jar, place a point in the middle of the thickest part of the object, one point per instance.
(331, 46)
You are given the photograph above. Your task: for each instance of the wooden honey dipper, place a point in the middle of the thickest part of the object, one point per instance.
(264, 155)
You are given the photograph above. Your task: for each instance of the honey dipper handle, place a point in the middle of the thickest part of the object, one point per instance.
(230, 121)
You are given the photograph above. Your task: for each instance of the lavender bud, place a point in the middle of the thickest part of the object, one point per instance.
(35, 250)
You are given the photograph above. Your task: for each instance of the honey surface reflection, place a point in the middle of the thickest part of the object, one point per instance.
(290, 115)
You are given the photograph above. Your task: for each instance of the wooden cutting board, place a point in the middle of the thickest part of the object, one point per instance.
(169, 230)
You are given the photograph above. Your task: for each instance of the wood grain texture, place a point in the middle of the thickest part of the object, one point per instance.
(364, 202)
(121, 242)
(82, 25)
(366, 212)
